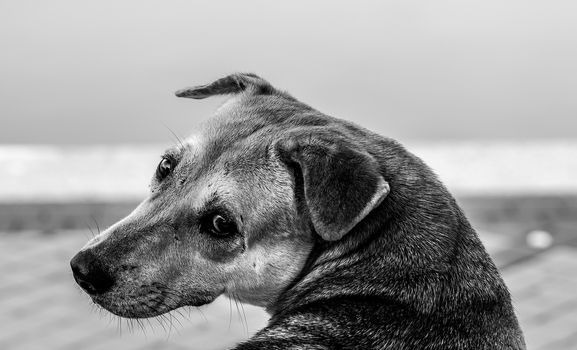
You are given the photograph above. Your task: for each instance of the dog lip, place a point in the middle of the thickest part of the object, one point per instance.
(202, 300)
(132, 307)
(200, 303)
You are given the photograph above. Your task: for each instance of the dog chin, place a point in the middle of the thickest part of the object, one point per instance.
(145, 306)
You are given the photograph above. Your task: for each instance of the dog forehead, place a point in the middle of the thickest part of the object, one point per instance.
(248, 113)
(223, 148)
(194, 142)
(240, 137)
(230, 159)
(228, 134)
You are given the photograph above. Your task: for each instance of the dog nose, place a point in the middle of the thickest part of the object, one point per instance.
(90, 274)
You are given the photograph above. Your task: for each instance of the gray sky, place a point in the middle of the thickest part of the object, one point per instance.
(105, 71)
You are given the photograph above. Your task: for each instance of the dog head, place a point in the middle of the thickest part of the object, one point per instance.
(236, 208)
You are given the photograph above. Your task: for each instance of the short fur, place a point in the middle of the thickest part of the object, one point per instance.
(348, 240)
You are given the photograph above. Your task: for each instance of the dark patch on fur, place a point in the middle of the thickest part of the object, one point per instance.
(339, 180)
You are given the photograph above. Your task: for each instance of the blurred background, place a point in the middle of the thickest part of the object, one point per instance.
(483, 91)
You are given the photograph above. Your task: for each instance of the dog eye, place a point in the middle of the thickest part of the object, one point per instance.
(221, 226)
(164, 168)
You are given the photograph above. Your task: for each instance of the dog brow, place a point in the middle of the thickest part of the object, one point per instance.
(213, 202)
(173, 152)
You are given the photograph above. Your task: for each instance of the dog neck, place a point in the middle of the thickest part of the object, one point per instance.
(411, 249)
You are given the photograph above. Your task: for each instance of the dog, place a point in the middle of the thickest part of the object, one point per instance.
(345, 238)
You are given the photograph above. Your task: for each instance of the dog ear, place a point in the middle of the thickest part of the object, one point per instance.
(342, 183)
(232, 84)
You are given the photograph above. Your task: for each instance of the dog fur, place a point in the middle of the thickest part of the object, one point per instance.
(347, 239)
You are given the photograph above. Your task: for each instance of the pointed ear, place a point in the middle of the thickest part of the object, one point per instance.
(342, 183)
(232, 84)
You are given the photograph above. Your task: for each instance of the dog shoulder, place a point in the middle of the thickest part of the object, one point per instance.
(320, 327)
(297, 331)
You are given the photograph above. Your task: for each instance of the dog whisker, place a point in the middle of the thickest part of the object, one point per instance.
(175, 135)
(96, 223)
(201, 313)
(229, 312)
(244, 316)
(90, 230)
(119, 326)
(240, 312)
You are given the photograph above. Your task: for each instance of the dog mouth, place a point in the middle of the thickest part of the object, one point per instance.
(148, 301)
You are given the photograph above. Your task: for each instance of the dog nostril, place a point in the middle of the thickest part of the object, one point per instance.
(86, 286)
(89, 273)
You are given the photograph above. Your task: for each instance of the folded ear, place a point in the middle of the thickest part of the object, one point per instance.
(342, 183)
(232, 84)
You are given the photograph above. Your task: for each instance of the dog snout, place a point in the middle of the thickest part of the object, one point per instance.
(90, 273)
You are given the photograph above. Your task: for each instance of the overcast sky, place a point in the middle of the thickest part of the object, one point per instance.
(105, 71)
